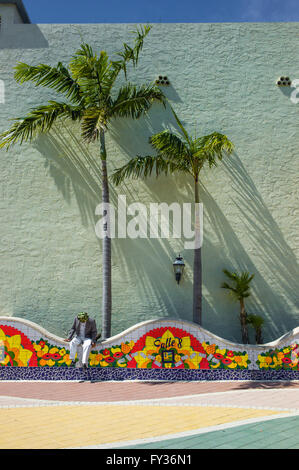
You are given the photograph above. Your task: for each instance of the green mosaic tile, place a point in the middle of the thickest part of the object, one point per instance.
(280, 433)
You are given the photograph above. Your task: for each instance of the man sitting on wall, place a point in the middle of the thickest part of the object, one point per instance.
(83, 331)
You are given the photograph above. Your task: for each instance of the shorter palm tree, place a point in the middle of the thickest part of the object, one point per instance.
(257, 322)
(239, 291)
(179, 152)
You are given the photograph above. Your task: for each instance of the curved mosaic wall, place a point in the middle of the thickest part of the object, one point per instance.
(158, 344)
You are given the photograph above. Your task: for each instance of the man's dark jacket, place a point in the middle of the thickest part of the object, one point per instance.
(90, 329)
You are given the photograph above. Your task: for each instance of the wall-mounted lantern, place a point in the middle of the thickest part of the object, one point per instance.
(178, 267)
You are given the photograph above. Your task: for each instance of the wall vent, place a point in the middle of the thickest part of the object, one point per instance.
(283, 81)
(162, 80)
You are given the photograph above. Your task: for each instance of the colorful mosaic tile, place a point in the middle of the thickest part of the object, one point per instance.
(164, 352)
(17, 349)
(284, 358)
(49, 355)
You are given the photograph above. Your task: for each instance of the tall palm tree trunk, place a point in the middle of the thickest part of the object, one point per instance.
(197, 267)
(107, 292)
(244, 329)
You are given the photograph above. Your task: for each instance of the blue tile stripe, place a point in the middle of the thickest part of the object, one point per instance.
(106, 374)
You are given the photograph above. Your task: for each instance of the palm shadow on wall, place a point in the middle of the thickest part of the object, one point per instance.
(265, 238)
(270, 245)
(66, 158)
(264, 234)
(75, 169)
(232, 255)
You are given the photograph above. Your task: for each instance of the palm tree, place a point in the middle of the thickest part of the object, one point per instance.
(180, 152)
(239, 291)
(257, 322)
(89, 97)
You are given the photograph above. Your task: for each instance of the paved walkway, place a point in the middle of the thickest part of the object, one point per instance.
(152, 415)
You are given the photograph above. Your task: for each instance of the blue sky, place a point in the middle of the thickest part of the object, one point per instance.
(164, 11)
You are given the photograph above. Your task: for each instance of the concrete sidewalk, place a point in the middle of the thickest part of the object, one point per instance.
(59, 415)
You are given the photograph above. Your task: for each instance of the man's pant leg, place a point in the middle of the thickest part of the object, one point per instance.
(86, 350)
(73, 347)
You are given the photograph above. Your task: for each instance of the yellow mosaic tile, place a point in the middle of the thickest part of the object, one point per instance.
(86, 425)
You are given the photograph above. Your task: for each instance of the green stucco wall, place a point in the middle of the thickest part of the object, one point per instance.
(222, 79)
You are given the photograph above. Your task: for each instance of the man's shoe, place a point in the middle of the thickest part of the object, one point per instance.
(84, 366)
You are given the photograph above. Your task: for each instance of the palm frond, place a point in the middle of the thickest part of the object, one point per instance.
(57, 78)
(93, 120)
(225, 285)
(179, 123)
(83, 63)
(92, 72)
(230, 274)
(130, 54)
(210, 147)
(139, 40)
(255, 320)
(169, 145)
(233, 292)
(38, 120)
(246, 278)
(141, 167)
(133, 101)
(241, 283)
